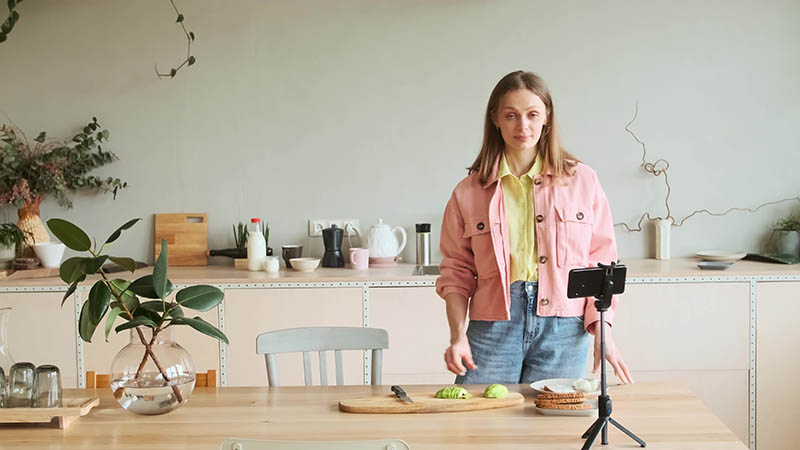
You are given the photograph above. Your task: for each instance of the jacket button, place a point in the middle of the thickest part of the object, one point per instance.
(579, 216)
(545, 302)
(539, 218)
(481, 226)
(537, 181)
(543, 259)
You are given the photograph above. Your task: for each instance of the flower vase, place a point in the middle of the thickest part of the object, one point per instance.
(788, 243)
(157, 383)
(30, 221)
(662, 227)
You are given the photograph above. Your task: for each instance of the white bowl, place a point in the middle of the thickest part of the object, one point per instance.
(49, 253)
(304, 264)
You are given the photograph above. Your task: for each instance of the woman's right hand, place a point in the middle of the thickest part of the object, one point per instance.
(457, 352)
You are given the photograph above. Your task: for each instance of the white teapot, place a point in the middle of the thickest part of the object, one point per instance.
(382, 241)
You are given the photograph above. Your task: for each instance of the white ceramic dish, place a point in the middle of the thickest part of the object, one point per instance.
(560, 385)
(714, 265)
(570, 412)
(720, 255)
(49, 253)
(304, 264)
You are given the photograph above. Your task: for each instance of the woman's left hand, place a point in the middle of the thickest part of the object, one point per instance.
(613, 354)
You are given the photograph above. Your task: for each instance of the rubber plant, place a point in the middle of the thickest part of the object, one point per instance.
(119, 299)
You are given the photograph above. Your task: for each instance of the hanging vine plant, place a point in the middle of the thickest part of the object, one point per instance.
(189, 39)
(12, 19)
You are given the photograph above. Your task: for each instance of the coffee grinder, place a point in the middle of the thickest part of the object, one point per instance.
(332, 238)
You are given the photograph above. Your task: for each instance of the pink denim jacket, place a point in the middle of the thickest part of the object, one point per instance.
(573, 229)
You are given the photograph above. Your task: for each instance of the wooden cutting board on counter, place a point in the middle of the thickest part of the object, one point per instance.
(187, 238)
(427, 403)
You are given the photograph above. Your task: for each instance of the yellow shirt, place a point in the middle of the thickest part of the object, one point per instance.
(518, 197)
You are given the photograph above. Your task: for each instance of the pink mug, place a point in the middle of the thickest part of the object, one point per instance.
(359, 258)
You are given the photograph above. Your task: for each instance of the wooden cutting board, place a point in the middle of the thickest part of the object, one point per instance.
(40, 272)
(427, 403)
(187, 238)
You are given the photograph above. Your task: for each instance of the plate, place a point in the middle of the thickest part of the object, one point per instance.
(570, 412)
(720, 255)
(714, 265)
(559, 384)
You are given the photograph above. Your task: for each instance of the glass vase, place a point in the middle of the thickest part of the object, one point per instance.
(6, 361)
(155, 378)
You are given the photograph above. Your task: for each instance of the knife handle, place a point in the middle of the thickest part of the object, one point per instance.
(398, 391)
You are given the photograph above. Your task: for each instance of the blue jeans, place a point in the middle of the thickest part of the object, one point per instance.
(528, 347)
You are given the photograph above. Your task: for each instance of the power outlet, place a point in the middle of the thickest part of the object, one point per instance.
(315, 226)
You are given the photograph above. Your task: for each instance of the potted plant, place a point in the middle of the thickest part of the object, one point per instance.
(11, 243)
(788, 241)
(152, 374)
(29, 173)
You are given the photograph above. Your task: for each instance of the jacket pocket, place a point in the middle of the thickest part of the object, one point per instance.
(478, 231)
(573, 235)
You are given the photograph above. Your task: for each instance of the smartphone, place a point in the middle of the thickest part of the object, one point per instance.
(588, 282)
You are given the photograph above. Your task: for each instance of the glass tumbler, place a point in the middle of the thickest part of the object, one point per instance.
(20, 385)
(2, 388)
(47, 387)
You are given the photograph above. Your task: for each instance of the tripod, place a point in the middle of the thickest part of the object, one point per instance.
(602, 304)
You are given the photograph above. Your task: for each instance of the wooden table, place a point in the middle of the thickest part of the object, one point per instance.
(666, 416)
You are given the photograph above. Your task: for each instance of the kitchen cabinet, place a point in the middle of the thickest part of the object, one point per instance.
(250, 312)
(42, 332)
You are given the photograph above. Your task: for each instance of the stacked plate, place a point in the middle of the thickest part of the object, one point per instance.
(718, 259)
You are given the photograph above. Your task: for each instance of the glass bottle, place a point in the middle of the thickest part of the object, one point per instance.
(143, 387)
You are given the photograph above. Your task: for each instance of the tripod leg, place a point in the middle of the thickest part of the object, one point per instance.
(604, 434)
(626, 431)
(599, 425)
(589, 430)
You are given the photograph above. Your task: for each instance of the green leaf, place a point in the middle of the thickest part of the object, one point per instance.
(120, 287)
(41, 137)
(126, 263)
(152, 315)
(99, 298)
(115, 235)
(72, 236)
(71, 289)
(144, 286)
(172, 73)
(202, 326)
(153, 305)
(93, 265)
(112, 316)
(72, 269)
(177, 311)
(192, 60)
(191, 35)
(3, 37)
(180, 18)
(86, 326)
(199, 298)
(160, 272)
(140, 321)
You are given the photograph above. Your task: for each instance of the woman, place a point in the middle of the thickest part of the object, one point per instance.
(526, 214)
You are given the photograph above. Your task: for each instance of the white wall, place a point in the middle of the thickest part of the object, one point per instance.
(368, 109)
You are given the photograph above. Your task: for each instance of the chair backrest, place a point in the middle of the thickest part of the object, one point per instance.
(103, 380)
(254, 444)
(322, 340)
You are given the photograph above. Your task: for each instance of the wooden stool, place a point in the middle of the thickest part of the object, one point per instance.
(103, 380)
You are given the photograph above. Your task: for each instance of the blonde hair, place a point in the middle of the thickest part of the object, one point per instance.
(554, 156)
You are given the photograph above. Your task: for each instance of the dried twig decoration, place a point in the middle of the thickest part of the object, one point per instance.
(189, 39)
(658, 168)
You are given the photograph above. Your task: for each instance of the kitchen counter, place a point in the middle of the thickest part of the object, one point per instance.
(665, 415)
(637, 269)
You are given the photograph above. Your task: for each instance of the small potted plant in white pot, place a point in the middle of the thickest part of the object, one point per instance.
(788, 236)
(12, 240)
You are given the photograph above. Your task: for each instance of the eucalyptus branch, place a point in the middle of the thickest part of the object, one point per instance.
(657, 170)
(189, 39)
(10, 21)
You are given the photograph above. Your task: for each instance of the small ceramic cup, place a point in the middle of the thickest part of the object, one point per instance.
(291, 251)
(359, 258)
(272, 264)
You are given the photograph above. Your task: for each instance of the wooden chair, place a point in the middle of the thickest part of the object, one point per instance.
(103, 380)
(254, 444)
(322, 339)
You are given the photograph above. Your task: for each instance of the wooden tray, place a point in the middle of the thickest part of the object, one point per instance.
(73, 409)
(427, 403)
(41, 272)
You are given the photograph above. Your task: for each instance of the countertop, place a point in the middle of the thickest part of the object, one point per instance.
(226, 274)
(664, 415)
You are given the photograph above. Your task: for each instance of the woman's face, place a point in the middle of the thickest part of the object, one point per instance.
(520, 117)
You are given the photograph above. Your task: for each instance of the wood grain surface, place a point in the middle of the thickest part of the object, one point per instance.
(186, 235)
(425, 402)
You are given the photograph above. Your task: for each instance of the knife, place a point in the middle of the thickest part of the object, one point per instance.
(401, 394)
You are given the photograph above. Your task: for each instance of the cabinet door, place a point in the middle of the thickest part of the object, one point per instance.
(250, 312)
(778, 361)
(42, 332)
(204, 350)
(416, 320)
(697, 333)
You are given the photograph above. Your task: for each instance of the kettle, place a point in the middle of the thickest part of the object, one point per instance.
(383, 243)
